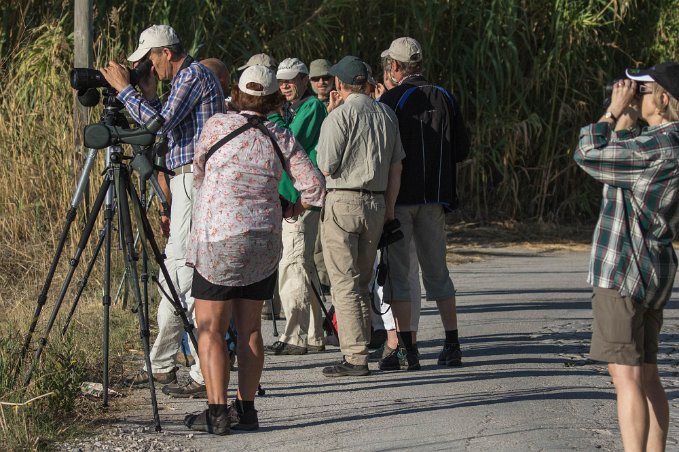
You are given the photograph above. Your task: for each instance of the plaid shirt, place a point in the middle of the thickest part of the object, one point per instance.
(195, 96)
(632, 244)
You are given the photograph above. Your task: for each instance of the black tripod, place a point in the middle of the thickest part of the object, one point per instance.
(116, 194)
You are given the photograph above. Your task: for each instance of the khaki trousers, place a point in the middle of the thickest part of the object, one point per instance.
(351, 228)
(318, 260)
(303, 316)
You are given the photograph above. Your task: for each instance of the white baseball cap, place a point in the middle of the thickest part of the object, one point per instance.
(154, 36)
(258, 74)
(405, 49)
(290, 67)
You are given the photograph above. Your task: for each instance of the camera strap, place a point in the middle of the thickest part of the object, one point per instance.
(187, 62)
(253, 122)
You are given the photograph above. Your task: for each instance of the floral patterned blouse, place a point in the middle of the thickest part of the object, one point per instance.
(235, 235)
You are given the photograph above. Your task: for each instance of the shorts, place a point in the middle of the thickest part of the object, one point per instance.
(623, 332)
(426, 225)
(203, 289)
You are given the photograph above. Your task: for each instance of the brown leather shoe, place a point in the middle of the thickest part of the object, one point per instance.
(184, 360)
(346, 369)
(141, 378)
(191, 390)
(283, 348)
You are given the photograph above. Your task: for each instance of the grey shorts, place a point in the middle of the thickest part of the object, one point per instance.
(424, 224)
(623, 332)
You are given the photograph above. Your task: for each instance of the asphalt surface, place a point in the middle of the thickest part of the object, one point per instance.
(526, 383)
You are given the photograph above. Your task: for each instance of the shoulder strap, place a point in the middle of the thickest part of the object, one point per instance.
(258, 123)
(406, 94)
(226, 139)
(252, 122)
(187, 62)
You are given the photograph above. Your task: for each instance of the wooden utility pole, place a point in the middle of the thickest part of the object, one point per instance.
(82, 52)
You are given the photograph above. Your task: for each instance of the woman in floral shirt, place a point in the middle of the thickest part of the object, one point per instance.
(235, 241)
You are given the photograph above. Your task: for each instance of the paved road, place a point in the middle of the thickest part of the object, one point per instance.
(525, 385)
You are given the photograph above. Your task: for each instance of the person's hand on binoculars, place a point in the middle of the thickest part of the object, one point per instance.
(624, 104)
(116, 75)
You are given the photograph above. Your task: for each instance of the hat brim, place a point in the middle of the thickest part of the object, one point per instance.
(244, 67)
(319, 74)
(287, 75)
(385, 54)
(640, 77)
(138, 54)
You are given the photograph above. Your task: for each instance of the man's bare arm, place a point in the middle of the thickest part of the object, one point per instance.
(393, 186)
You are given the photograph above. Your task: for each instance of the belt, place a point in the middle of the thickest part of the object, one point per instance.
(358, 190)
(188, 168)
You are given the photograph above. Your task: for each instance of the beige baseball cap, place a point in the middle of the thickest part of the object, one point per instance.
(405, 49)
(154, 36)
(258, 74)
(262, 59)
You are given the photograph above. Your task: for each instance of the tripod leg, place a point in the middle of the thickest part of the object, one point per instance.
(73, 265)
(273, 318)
(148, 239)
(136, 241)
(42, 298)
(144, 255)
(70, 216)
(83, 282)
(106, 298)
(123, 187)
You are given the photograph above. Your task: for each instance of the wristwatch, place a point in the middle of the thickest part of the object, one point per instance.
(609, 115)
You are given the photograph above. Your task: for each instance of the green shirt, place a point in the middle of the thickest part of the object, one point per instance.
(306, 128)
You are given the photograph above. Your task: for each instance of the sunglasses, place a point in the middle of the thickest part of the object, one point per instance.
(325, 78)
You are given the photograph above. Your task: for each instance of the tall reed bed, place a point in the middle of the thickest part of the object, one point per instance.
(528, 73)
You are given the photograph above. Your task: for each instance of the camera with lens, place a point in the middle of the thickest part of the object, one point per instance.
(390, 233)
(84, 78)
(86, 81)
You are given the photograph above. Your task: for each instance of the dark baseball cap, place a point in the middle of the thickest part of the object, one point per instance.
(350, 70)
(665, 75)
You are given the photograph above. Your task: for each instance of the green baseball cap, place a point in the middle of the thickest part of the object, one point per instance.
(350, 70)
(319, 68)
